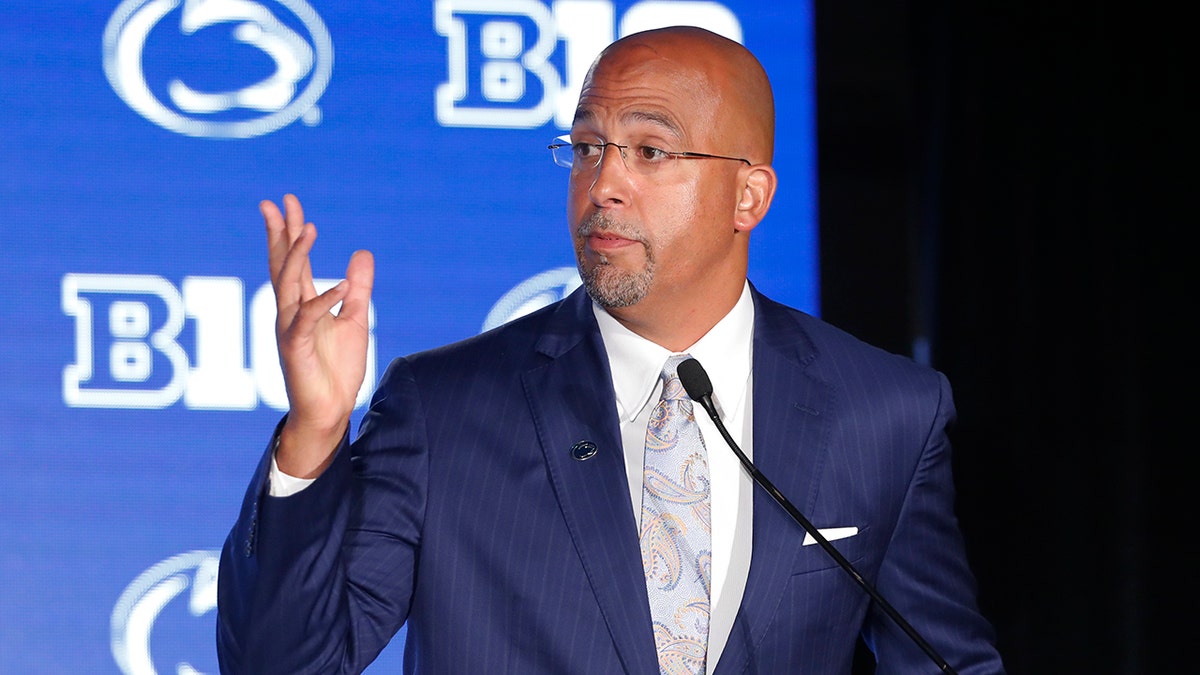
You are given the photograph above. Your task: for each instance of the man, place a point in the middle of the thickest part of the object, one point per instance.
(502, 498)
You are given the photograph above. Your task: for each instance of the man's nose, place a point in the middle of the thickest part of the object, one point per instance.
(610, 177)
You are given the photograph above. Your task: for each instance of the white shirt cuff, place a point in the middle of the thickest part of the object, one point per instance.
(283, 485)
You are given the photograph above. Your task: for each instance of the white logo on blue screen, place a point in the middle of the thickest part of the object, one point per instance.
(141, 342)
(503, 60)
(532, 294)
(187, 579)
(219, 68)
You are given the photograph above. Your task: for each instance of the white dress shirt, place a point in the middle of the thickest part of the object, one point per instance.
(726, 354)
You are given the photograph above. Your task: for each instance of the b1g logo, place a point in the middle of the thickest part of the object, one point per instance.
(140, 342)
(501, 54)
(170, 596)
(219, 68)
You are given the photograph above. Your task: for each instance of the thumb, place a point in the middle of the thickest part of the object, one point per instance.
(360, 278)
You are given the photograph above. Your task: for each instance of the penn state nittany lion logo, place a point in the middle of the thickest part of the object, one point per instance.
(276, 64)
(145, 599)
(533, 293)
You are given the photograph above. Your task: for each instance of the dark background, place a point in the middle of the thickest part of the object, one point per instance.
(997, 183)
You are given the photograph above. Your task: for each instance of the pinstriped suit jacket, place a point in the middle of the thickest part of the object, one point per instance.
(460, 510)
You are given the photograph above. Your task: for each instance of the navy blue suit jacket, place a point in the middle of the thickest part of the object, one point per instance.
(460, 510)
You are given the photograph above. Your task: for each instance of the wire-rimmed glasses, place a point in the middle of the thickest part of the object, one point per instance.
(641, 159)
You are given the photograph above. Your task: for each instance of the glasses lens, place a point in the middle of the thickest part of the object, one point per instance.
(647, 160)
(561, 151)
(641, 159)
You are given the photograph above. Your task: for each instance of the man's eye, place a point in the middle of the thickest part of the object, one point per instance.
(586, 150)
(649, 153)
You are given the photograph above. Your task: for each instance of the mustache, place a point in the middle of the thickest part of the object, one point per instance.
(600, 222)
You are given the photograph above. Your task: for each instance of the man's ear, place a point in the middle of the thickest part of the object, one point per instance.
(758, 189)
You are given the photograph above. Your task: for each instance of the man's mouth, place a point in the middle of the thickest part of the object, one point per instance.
(603, 235)
(606, 242)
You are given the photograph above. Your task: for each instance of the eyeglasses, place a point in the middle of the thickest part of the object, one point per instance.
(641, 159)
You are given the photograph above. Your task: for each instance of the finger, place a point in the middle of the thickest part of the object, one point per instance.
(360, 278)
(314, 309)
(296, 227)
(277, 243)
(294, 283)
(307, 289)
(293, 217)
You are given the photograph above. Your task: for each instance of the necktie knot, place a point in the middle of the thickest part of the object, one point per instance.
(672, 388)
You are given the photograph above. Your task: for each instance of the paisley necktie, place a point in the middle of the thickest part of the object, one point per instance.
(676, 531)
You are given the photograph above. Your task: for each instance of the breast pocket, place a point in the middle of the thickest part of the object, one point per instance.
(813, 558)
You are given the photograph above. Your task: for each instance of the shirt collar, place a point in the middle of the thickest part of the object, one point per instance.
(724, 351)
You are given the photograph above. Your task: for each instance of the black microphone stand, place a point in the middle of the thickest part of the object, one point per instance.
(699, 388)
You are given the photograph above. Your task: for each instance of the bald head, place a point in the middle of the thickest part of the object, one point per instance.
(730, 89)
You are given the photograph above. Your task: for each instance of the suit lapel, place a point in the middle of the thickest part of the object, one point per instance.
(571, 398)
(791, 434)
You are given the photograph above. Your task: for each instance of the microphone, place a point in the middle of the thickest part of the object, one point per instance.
(699, 388)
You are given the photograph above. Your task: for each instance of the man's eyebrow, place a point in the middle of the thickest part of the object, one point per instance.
(667, 123)
(583, 115)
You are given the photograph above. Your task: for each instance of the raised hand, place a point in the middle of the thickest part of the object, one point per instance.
(323, 356)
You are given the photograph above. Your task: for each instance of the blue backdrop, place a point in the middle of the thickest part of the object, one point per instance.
(138, 377)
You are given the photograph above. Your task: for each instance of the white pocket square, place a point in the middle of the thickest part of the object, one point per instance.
(830, 533)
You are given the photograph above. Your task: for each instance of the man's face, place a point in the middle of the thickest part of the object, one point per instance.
(637, 235)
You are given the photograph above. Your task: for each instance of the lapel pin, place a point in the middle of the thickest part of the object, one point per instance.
(583, 450)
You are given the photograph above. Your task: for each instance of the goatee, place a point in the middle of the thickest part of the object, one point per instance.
(608, 285)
